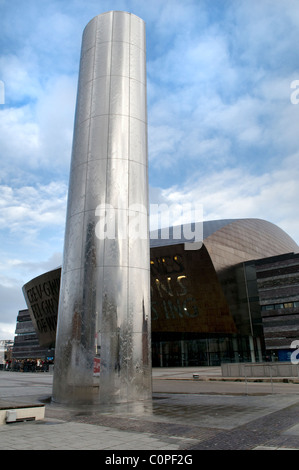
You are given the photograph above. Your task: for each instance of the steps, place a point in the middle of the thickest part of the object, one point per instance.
(17, 413)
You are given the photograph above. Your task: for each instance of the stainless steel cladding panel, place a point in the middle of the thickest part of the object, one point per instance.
(104, 309)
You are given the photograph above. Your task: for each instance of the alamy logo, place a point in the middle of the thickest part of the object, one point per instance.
(295, 354)
(295, 94)
(132, 223)
(2, 93)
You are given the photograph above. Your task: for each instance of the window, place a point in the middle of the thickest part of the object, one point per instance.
(288, 305)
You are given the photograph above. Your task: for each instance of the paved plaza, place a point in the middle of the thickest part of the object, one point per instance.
(185, 415)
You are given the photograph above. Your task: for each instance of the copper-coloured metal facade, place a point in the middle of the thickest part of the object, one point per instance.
(104, 306)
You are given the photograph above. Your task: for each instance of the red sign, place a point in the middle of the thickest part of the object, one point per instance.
(96, 365)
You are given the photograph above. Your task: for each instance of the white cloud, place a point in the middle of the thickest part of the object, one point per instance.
(38, 137)
(12, 300)
(19, 138)
(26, 268)
(55, 118)
(221, 94)
(7, 330)
(31, 240)
(235, 193)
(32, 208)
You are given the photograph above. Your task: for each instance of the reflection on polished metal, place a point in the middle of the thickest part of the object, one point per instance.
(104, 305)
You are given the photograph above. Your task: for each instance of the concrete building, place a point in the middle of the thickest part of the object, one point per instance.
(26, 346)
(278, 290)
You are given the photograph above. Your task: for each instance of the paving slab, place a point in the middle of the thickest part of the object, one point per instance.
(184, 415)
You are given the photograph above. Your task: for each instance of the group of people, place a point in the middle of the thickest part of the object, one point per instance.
(28, 365)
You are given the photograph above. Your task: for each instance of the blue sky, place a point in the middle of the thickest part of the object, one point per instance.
(222, 128)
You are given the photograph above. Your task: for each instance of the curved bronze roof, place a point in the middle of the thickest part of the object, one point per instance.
(231, 241)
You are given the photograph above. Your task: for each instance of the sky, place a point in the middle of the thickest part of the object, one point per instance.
(223, 118)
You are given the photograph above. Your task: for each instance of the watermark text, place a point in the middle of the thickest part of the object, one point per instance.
(175, 222)
(295, 94)
(2, 92)
(295, 354)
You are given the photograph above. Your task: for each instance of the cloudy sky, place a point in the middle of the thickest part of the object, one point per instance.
(223, 129)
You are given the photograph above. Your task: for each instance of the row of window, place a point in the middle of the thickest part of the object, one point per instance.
(279, 306)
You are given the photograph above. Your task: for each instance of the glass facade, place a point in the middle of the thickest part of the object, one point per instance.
(193, 321)
(188, 350)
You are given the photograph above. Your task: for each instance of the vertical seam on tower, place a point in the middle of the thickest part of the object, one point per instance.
(96, 332)
(128, 209)
(129, 119)
(106, 178)
(88, 146)
(108, 140)
(129, 149)
(109, 103)
(146, 149)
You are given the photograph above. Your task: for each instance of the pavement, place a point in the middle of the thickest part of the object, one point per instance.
(186, 414)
